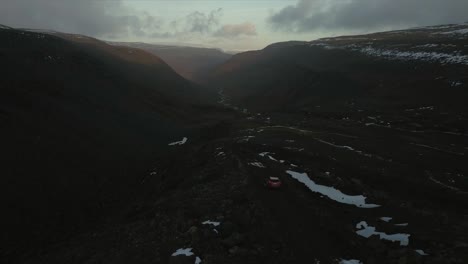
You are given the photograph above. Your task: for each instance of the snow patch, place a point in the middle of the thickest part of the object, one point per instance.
(183, 141)
(245, 139)
(208, 222)
(330, 192)
(427, 46)
(351, 261)
(257, 164)
(443, 58)
(266, 154)
(367, 231)
(431, 108)
(183, 252)
(323, 45)
(458, 31)
(403, 224)
(294, 149)
(386, 219)
(421, 252)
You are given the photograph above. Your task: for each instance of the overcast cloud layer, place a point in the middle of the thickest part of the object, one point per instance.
(95, 18)
(364, 15)
(112, 19)
(233, 24)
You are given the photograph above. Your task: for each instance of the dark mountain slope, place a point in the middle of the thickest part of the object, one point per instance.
(79, 120)
(180, 88)
(359, 185)
(383, 70)
(191, 62)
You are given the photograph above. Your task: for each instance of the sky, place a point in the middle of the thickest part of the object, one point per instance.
(233, 25)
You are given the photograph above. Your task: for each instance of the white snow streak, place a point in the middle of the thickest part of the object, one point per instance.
(208, 222)
(183, 252)
(421, 252)
(257, 164)
(386, 219)
(330, 192)
(183, 141)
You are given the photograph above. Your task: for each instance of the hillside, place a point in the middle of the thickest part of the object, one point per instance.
(192, 63)
(79, 120)
(406, 68)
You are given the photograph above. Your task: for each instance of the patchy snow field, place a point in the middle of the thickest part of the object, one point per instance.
(183, 252)
(367, 231)
(330, 192)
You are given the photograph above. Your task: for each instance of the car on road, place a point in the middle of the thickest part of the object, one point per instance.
(273, 182)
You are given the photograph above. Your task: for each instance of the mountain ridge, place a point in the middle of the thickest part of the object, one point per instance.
(343, 56)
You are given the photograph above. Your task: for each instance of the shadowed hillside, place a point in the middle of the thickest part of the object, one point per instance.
(416, 67)
(79, 120)
(190, 62)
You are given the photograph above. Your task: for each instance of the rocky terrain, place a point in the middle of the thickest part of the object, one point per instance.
(343, 182)
(370, 147)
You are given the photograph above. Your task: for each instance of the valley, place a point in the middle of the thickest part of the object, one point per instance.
(370, 146)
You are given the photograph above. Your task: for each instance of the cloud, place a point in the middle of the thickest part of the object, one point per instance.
(230, 31)
(365, 15)
(109, 19)
(113, 19)
(195, 24)
(206, 25)
(104, 18)
(199, 22)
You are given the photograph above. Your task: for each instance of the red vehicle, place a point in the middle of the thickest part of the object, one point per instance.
(273, 182)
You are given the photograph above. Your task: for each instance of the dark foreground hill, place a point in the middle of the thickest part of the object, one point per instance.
(192, 63)
(79, 119)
